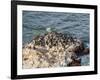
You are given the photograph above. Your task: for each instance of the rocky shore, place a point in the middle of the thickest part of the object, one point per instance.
(53, 49)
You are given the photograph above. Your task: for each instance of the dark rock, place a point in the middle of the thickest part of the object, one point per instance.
(75, 62)
(86, 51)
(79, 48)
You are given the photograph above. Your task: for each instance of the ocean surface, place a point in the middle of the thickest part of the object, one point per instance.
(77, 24)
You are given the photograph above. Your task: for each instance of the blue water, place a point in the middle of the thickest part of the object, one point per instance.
(77, 24)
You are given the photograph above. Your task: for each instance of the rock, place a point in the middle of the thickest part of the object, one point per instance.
(76, 62)
(79, 47)
(86, 51)
(52, 50)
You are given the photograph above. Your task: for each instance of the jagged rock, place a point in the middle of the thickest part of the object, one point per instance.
(52, 50)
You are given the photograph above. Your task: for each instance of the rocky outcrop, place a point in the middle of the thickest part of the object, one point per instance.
(53, 50)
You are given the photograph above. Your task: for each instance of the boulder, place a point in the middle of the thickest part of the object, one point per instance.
(53, 49)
